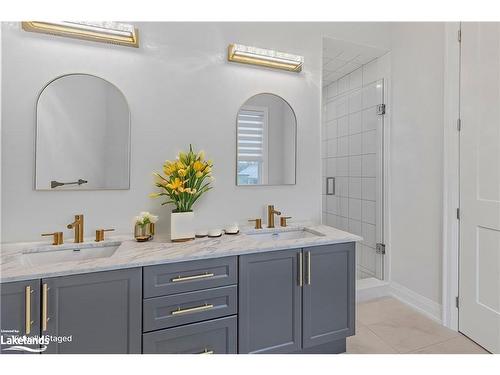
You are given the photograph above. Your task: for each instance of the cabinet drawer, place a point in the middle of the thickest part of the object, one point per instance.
(216, 336)
(188, 276)
(184, 308)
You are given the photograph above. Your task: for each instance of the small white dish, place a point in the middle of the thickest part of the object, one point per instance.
(214, 233)
(201, 233)
(232, 229)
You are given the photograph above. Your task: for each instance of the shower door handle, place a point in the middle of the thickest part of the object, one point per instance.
(330, 186)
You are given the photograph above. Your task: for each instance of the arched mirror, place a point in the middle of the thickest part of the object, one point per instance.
(266, 129)
(82, 135)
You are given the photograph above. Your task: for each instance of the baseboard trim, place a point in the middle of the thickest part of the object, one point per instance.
(422, 304)
(371, 288)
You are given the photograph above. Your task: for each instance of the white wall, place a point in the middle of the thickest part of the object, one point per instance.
(417, 63)
(415, 139)
(181, 90)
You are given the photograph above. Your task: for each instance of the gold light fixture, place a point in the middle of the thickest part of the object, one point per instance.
(264, 57)
(106, 32)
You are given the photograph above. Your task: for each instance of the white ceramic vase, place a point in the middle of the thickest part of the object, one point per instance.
(182, 226)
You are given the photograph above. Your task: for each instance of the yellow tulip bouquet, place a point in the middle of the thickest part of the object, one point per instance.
(185, 180)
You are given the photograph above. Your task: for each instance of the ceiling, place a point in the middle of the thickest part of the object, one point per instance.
(341, 57)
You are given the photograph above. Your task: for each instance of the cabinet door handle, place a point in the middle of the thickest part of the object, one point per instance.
(45, 308)
(194, 277)
(301, 269)
(206, 351)
(27, 304)
(192, 309)
(308, 258)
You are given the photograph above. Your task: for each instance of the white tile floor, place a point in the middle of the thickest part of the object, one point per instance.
(387, 326)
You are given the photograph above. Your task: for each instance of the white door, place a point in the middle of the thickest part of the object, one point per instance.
(479, 313)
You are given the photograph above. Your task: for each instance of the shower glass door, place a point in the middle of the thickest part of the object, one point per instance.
(352, 156)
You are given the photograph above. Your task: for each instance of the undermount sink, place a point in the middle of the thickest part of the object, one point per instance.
(69, 253)
(285, 235)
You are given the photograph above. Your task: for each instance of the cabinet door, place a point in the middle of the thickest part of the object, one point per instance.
(100, 311)
(20, 312)
(328, 294)
(269, 318)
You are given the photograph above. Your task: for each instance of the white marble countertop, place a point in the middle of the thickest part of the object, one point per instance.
(132, 254)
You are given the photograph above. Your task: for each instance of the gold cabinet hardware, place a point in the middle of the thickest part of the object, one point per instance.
(77, 225)
(308, 258)
(206, 351)
(99, 234)
(58, 237)
(45, 307)
(283, 220)
(258, 223)
(206, 306)
(27, 321)
(193, 277)
(270, 215)
(301, 270)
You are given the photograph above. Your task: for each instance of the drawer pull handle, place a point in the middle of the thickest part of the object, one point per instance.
(206, 306)
(45, 302)
(301, 270)
(27, 301)
(206, 351)
(194, 277)
(308, 258)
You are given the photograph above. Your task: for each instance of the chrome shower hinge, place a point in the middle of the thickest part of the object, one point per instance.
(380, 248)
(381, 109)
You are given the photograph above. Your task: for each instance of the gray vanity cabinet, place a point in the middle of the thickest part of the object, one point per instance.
(328, 294)
(101, 311)
(270, 307)
(285, 301)
(300, 301)
(20, 308)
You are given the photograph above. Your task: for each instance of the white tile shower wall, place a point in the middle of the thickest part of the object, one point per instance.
(350, 138)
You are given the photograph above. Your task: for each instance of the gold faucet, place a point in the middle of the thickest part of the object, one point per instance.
(283, 221)
(78, 226)
(99, 234)
(270, 215)
(57, 237)
(258, 223)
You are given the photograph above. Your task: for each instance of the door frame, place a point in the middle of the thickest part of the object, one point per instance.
(451, 176)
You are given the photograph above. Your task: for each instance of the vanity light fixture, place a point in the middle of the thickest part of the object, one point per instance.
(106, 32)
(265, 57)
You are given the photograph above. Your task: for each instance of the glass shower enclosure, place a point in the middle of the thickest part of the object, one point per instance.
(352, 161)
